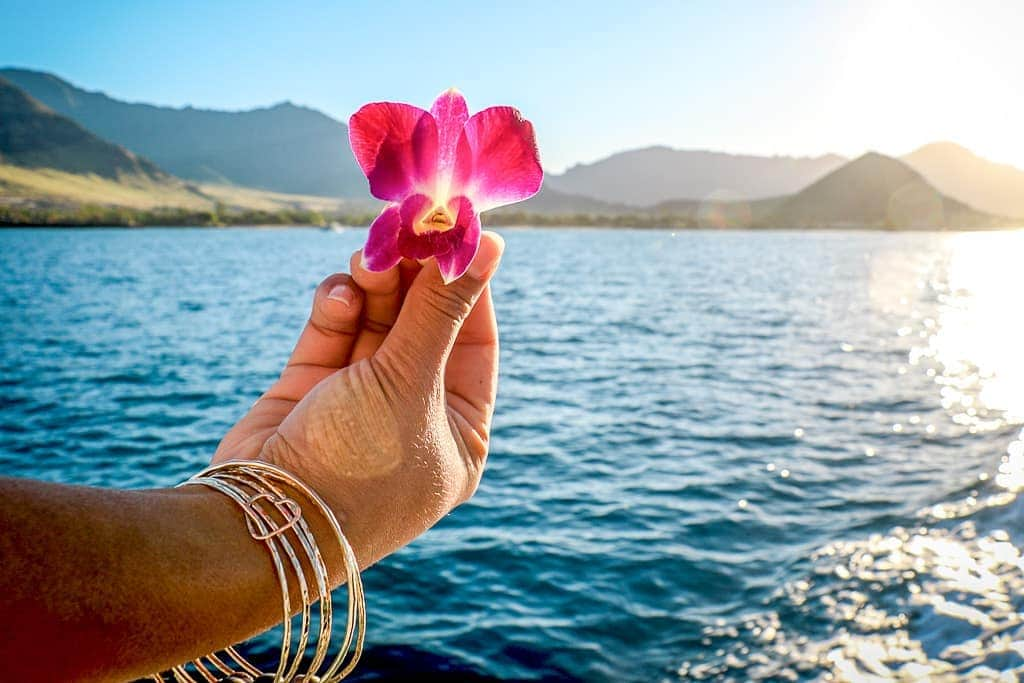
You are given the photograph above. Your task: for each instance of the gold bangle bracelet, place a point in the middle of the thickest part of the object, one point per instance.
(323, 583)
(355, 632)
(259, 486)
(263, 529)
(271, 517)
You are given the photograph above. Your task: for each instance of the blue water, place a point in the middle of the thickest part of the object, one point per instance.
(720, 456)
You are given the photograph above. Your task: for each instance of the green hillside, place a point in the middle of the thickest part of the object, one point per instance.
(54, 172)
(283, 148)
(32, 136)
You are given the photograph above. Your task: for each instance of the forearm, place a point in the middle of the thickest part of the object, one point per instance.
(108, 585)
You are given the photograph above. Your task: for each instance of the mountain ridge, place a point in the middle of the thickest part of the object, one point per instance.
(649, 175)
(875, 190)
(34, 136)
(240, 148)
(283, 147)
(960, 173)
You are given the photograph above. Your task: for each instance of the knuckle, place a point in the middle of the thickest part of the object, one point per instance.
(279, 451)
(475, 472)
(332, 327)
(376, 326)
(464, 292)
(408, 379)
(387, 374)
(452, 301)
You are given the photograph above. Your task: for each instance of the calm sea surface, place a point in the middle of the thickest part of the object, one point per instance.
(716, 456)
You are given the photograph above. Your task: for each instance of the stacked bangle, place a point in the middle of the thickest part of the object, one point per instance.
(277, 521)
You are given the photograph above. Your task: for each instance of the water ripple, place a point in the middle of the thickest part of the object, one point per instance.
(777, 456)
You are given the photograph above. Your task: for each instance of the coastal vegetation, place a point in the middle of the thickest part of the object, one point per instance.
(94, 215)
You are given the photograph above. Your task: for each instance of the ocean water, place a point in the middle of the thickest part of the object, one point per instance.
(716, 456)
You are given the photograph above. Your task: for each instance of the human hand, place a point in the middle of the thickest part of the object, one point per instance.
(385, 405)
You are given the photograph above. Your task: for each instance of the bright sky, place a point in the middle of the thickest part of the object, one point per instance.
(807, 78)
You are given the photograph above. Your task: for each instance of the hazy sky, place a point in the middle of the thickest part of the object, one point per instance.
(760, 77)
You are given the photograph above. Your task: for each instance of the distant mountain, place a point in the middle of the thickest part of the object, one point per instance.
(549, 201)
(285, 148)
(49, 163)
(656, 174)
(33, 136)
(872, 191)
(960, 173)
(285, 157)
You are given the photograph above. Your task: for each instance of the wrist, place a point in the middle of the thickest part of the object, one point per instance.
(303, 541)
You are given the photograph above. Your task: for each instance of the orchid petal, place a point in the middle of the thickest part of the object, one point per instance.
(381, 250)
(503, 165)
(455, 262)
(396, 146)
(450, 113)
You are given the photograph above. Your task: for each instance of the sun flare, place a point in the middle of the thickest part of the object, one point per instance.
(913, 72)
(978, 334)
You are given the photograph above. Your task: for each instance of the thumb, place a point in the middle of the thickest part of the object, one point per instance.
(433, 312)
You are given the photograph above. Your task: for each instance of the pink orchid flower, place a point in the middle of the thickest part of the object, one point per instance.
(439, 170)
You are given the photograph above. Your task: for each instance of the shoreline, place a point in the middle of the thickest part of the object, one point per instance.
(522, 226)
(122, 218)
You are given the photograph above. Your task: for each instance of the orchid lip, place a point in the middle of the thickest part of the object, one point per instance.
(439, 219)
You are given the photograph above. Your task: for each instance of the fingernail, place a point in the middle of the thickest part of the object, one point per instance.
(342, 293)
(484, 265)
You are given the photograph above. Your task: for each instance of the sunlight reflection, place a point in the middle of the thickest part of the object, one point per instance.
(959, 582)
(977, 339)
(942, 600)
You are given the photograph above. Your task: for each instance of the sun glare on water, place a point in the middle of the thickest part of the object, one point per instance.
(959, 576)
(940, 598)
(979, 336)
(977, 341)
